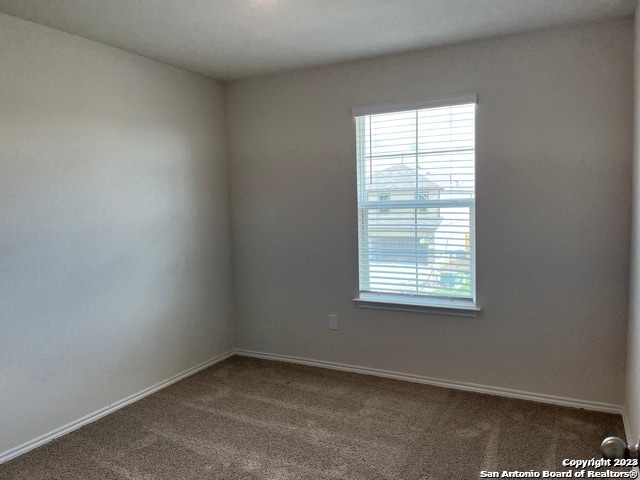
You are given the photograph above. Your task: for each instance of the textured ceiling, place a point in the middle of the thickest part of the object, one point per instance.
(229, 39)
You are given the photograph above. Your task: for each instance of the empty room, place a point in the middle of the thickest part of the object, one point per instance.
(319, 239)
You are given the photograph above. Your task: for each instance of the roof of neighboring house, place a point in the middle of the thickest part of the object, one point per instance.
(401, 177)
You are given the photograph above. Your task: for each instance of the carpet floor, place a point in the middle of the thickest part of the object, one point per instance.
(255, 419)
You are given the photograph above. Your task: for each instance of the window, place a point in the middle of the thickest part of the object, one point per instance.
(430, 195)
(416, 164)
(422, 196)
(384, 197)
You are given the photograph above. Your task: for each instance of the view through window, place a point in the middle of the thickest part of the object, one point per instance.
(416, 200)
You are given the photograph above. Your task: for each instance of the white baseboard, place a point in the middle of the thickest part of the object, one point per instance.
(92, 417)
(470, 387)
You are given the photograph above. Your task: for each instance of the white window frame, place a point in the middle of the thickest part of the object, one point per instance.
(405, 302)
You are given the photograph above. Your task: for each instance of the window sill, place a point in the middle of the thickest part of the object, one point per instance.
(456, 308)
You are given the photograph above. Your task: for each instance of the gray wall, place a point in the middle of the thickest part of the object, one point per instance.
(115, 246)
(114, 227)
(554, 141)
(632, 397)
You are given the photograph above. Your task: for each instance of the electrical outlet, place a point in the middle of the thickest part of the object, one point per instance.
(333, 321)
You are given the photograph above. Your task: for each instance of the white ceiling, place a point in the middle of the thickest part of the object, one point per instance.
(229, 39)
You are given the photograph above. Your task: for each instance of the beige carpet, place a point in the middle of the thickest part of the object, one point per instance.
(256, 419)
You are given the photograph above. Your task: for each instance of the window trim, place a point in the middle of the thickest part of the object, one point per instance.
(362, 110)
(460, 307)
(403, 303)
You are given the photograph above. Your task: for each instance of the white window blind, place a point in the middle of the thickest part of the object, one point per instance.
(416, 200)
